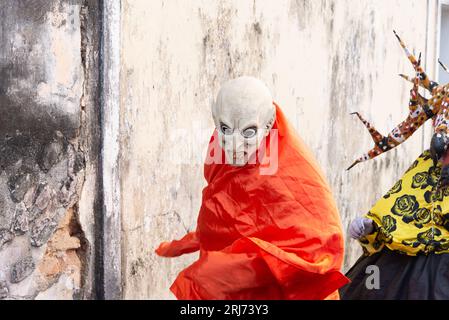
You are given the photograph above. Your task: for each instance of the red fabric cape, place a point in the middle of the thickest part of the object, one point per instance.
(263, 236)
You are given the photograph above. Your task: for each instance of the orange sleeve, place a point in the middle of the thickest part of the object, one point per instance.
(188, 244)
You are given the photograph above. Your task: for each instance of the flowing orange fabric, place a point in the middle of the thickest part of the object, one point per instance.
(260, 236)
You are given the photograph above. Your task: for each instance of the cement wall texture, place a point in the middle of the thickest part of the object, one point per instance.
(105, 119)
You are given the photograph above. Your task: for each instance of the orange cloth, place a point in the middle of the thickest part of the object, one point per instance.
(264, 236)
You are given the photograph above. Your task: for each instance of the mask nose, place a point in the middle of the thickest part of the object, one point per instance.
(239, 143)
(234, 146)
(236, 143)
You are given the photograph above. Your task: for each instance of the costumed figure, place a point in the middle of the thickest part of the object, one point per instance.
(268, 227)
(406, 234)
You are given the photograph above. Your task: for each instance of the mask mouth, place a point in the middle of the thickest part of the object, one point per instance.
(239, 158)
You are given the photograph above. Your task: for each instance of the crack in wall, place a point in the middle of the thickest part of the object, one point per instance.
(63, 258)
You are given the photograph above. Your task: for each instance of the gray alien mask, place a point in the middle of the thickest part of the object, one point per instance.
(244, 114)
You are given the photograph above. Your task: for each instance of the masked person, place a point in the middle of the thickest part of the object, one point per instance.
(405, 235)
(268, 227)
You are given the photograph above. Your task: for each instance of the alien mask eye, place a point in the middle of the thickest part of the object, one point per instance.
(249, 133)
(225, 129)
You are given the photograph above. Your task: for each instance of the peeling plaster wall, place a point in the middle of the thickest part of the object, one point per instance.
(322, 59)
(46, 139)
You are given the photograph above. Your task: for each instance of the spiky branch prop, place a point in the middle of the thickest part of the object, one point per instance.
(420, 110)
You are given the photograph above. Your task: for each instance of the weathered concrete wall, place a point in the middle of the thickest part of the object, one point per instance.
(47, 153)
(322, 59)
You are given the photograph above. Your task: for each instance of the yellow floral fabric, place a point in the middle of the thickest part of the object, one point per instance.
(413, 217)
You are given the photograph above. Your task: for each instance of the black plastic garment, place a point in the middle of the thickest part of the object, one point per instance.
(401, 277)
